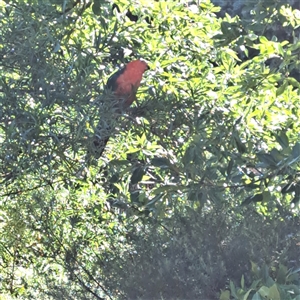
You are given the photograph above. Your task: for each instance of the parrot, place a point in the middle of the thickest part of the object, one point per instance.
(122, 87)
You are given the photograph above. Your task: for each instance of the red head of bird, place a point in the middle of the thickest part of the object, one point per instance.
(125, 82)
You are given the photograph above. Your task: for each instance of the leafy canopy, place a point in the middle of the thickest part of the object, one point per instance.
(214, 128)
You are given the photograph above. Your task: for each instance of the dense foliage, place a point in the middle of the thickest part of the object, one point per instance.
(197, 193)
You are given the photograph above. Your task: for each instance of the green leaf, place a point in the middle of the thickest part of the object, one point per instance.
(274, 78)
(255, 198)
(296, 151)
(252, 36)
(225, 26)
(117, 162)
(281, 275)
(239, 144)
(282, 139)
(96, 7)
(267, 159)
(257, 296)
(266, 196)
(114, 178)
(225, 295)
(257, 282)
(274, 293)
(277, 155)
(292, 81)
(247, 295)
(281, 89)
(229, 167)
(288, 188)
(154, 200)
(264, 292)
(263, 40)
(161, 162)
(134, 196)
(243, 282)
(195, 195)
(232, 289)
(233, 54)
(137, 175)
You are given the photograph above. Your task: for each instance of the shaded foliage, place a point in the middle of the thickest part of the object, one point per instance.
(195, 254)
